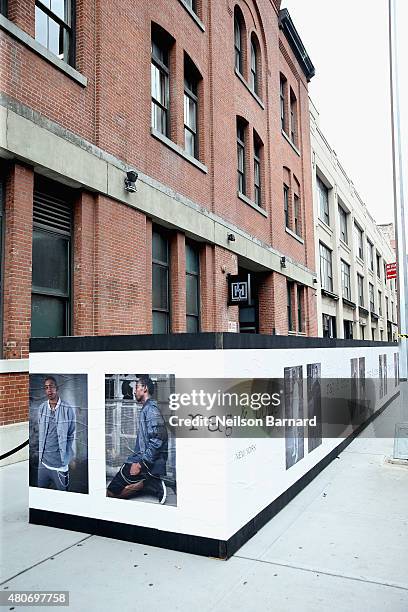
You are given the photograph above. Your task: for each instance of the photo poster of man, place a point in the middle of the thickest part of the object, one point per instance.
(58, 421)
(140, 448)
(396, 369)
(314, 404)
(382, 360)
(294, 435)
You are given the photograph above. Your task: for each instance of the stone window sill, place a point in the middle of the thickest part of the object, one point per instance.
(193, 15)
(9, 27)
(177, 149)
(244, 198)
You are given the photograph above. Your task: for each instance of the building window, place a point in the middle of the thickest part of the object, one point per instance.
(254, 76)
(378, 262)
(286, 205)
(190, 108)
(392, 311)
(360, 288)
(192, 289)
(51, 263)
(359, 241)
(160, 283)
(380, 303)
(387, 312)
(191, 4)
(345, 280)
(371, 297)
(300, 296)
(343, 225)
(239, 60)
(3, 7)
(329, 326)
(293, 118)
(160, 82)
(257, 170)
(385, 272)
(291, 321)
(348, 330)
(362, 333)
(323, 194)
(283, 90)
(370, 255)
(296, 206)
(326, 272)
(53, 27)
(241, 156)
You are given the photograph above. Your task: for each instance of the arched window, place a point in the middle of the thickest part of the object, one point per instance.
(254, 81)
(257, 170)
(160, 79)
(238, 41)
(191, 82)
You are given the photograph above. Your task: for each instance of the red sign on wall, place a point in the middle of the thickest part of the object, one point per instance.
(391, 270)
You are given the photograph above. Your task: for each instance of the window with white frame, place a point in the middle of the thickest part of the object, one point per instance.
(191, 79)
(360, 290)
(241, 155)
(160, 80)
(326, 269)
(323, 195)
(343, 218)
(358, 232)
(53, 27)
(257, 170)
(346, 280)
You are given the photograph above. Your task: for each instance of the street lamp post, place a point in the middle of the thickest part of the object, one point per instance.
(399, 203)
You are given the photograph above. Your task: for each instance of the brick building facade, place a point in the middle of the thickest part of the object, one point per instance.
(208, 101)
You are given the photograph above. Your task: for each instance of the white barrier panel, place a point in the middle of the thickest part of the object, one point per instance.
(86, 418)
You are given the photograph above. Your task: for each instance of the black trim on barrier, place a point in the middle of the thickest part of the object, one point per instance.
(198, 545)
(14, 450)
(201, 341)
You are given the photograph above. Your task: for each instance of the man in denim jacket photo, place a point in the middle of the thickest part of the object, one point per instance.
(144, 468)
(56, 432)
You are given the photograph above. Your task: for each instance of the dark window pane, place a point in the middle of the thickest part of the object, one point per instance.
(41, 26)
(192, 259)
(192, 294)
(159, 248)
(160, 323)
(192, 325)
(48, 316)
(160, 287)
(50, 262)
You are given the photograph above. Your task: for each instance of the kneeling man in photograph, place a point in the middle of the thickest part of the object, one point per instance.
(56, 431)
(145, 467)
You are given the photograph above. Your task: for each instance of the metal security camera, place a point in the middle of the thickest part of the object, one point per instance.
(130, 180)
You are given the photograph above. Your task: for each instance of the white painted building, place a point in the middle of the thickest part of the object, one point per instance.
(354, 299)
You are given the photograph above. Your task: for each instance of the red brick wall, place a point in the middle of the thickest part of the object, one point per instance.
(13, 398)
(120, 269)
(178, 283)
(17, 262)
(84, 272)
(114, 110)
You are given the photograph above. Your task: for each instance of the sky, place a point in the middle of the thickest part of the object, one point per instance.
(347, 41)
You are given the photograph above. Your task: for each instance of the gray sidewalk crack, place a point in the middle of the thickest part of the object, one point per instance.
(326, 573)
(59, 552)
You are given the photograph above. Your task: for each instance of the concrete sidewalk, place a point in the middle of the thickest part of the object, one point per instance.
(340, 545)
